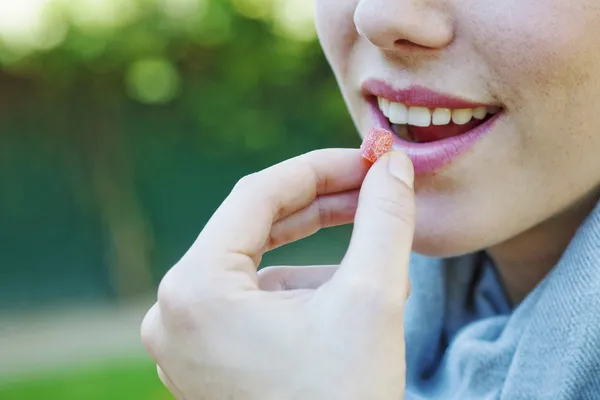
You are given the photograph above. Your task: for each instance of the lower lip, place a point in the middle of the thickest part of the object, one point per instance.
(430, 157)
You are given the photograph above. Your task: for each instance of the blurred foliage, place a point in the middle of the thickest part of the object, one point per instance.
(124, 123)
(118, 381)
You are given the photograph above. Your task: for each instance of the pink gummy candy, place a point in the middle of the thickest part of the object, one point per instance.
(377, 142)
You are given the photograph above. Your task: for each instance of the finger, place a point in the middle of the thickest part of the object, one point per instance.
(382, 238)
(151, 332)
(294, 277)
(242, 224)
(325, 211)
(169, 384)
(153, 340)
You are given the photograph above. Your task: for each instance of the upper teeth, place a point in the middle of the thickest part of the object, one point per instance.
(399, 113)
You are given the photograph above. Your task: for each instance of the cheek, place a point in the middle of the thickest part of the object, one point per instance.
(544, 58)
(541, 47)
(337, 33)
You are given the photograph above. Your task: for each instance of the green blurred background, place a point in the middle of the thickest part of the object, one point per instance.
(123, 125)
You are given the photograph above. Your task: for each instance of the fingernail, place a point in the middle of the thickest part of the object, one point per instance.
(401, 167)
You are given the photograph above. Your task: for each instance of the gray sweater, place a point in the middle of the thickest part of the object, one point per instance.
(464, 341)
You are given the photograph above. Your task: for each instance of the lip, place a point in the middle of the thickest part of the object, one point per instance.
(430, 157)
(416, 96)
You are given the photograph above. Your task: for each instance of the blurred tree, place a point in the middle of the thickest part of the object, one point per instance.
(149, 110)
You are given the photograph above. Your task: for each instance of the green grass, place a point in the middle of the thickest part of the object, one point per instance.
(126, 380)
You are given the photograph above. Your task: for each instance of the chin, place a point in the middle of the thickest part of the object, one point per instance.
(440, 246)
(445, 238)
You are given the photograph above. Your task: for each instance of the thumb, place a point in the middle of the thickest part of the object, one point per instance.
(382, 238)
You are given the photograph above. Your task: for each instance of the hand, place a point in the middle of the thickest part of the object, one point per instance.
(220, 330)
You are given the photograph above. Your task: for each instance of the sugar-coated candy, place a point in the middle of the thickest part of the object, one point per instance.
(376, 143)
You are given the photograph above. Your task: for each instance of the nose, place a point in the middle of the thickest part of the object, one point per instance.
(398, 24)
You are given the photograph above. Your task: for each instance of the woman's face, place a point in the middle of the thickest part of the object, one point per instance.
(539, 60)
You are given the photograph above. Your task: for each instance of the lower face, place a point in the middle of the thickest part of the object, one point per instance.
(496, 103)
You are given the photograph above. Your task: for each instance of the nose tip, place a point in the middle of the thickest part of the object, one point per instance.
(398, 24)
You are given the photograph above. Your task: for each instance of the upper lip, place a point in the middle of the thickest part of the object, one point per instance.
(417, 96)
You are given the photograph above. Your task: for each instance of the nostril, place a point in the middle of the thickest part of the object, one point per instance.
(406, 44)
(403, 42)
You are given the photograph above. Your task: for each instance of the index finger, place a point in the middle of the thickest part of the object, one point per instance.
(242, 224)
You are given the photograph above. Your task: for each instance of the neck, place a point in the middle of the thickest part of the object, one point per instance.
(523, 261)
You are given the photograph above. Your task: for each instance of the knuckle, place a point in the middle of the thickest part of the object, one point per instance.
(324, 213)
(255, 186)
(187, 302)
(321, 183)
(247, 183)
(175, 301)
(149, 332)
(276, 239)
(400, 208)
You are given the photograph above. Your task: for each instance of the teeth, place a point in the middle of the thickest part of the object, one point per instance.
(419, 116)
(462, 116)
(479, 112)
(385, 107)
(441, 116)
(398, 113)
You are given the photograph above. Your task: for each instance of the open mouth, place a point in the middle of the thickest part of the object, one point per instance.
(417, 124)
(432, 128)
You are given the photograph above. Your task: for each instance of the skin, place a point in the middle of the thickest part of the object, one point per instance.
(220, 330)
(524, 188)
